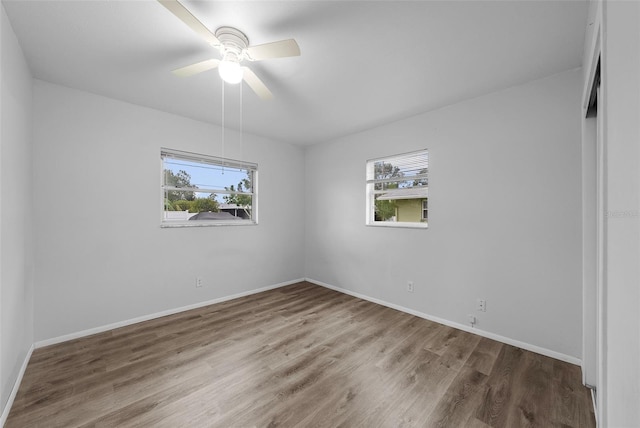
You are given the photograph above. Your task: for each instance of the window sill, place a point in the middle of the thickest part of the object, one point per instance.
(208, 224)
(399, 224)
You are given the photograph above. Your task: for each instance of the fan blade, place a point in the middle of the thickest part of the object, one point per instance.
(281, 49)
(196, 68)
(256, 84)
(185, 16)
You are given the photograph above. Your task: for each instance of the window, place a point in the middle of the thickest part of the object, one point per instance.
(398, 190)
(201, 190)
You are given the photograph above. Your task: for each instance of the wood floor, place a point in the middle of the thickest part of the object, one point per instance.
(301, 356)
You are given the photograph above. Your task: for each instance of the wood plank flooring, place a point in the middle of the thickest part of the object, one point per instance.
(297, 356)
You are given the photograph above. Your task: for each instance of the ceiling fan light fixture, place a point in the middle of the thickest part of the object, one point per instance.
(230, 71)
(234, 48)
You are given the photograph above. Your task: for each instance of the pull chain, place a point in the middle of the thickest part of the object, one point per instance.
(223, 136)
(241, 134)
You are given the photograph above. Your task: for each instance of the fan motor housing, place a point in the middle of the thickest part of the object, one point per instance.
(233, 42)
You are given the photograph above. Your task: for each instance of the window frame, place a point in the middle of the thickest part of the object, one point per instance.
(371, 192)
(425, 209)
(211, 160)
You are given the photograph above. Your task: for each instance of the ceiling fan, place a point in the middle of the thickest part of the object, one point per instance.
(234, 48)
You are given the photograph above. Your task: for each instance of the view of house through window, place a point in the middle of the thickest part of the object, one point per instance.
(398, 190)
(201, 190)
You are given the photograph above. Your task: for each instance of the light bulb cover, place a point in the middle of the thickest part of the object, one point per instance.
(230, 71)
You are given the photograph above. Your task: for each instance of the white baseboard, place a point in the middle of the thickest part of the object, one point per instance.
(124, 323)
(16, 386)
(479, 332)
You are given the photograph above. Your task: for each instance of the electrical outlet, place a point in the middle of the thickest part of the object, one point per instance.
(410, 286)
(199, 282)
(481, 305)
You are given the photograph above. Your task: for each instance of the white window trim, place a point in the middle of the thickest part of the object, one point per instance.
(164, 152)
(371, 192)
(404, 225)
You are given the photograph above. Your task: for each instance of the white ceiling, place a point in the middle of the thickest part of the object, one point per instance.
(363, 63)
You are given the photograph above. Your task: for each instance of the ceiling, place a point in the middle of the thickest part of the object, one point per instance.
(363, 63)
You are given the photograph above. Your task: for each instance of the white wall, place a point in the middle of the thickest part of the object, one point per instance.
(505, 215)
(95, 157)
(16, 249)
(621, 89)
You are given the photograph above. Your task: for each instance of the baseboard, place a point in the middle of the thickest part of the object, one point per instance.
(124, 323)
(479, 332)
(16, 386)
